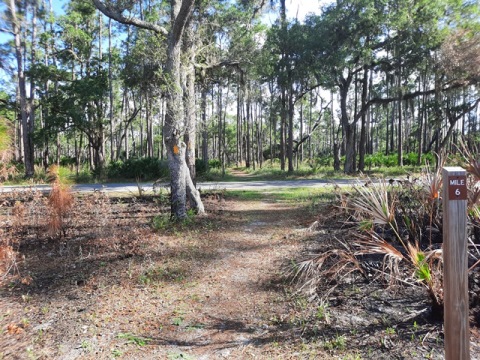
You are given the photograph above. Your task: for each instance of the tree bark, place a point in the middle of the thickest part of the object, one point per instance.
(348, 129)
(363, 130)
(290, 125)
(25, 110)
(174, 129)
(248, 120)
(400, 118)
(176, 148)
(283, 120)
(204, 125)
(189, 99)
(110, 90)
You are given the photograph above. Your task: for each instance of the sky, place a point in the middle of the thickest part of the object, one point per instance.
(295, 9)
(300, 8)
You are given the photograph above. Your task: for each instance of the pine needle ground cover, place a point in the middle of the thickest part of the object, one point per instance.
(110, 284)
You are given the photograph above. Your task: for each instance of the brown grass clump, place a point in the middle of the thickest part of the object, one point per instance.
(8, 259)
(8, 255)
(314, 269)
(60, 202)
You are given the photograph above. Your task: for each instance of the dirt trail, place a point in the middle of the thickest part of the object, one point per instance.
(112, 288)
(237, 293)
(211, 291)
(240, 300)
(239, 173)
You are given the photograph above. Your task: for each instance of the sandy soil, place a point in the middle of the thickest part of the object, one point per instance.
(109, 286)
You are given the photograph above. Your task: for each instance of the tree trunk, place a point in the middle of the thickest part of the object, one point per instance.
(248, 123)
(283, 120)
(204, 125)
(363, 130)
(300, 149)
(336, 156)
(348, 129)
(26, 120)
(240, 100)
(260, 138)
(141, 127)
(224, 157)
(110, 90)
(149, 123)
(33, 60)
(189, 98)
(290, 127)
(400, 121)
(176, 148)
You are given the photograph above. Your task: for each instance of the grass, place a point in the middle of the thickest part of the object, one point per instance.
(267, 172)
(304, 171)
(179, 355)
(310, 170)
(322, 313)
(302, 194)
(246, 195)
(339, 342)
(287, 194)
(216, 175)
(67, 176)
(163, 274)
(134, 339)
(394, 171)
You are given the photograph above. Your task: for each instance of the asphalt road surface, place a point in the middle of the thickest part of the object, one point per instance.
(205, 186)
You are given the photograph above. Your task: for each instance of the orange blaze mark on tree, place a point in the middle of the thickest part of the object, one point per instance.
(176, 150)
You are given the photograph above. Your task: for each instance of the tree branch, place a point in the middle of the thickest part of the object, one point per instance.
(306, 137)
(7, 31)
(116, 14)
(232, 63)
(306, 91)
(181, 19)
(412, 95)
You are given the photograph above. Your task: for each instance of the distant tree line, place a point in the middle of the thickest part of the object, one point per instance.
(108, 81)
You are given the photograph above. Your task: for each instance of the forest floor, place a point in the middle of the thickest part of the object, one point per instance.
(109, 286)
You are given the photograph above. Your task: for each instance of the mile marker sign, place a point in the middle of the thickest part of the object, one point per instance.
(457, 187)
(455, 264)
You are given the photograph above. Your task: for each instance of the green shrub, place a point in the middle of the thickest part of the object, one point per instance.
(428, 157)
(214, 164)
(391, 160)
(410, 158)
(322, 161)
(138, 168)
(67, 161)
(114, 169)
(201, 167)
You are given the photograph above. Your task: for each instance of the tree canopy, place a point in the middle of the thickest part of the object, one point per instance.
(110, 80)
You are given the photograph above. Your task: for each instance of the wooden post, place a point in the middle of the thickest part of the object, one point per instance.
(455, 265)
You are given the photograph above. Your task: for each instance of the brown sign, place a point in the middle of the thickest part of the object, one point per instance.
(457, 187)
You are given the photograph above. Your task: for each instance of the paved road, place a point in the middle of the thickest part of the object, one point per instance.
(233, 185)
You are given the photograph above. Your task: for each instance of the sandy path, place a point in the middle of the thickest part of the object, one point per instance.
(237, 299)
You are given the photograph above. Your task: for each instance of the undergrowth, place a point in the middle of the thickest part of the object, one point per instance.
(400, 221)
(7, 169)
(60, 202)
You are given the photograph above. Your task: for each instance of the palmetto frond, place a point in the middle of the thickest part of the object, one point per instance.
(474, 201)
(373, 201)
(311, 271)
(432, 182)
(472, 159)
(373, 244)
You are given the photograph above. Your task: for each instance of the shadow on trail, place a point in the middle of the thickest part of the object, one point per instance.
(222, 333)
(105, 239)
(110, 243)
